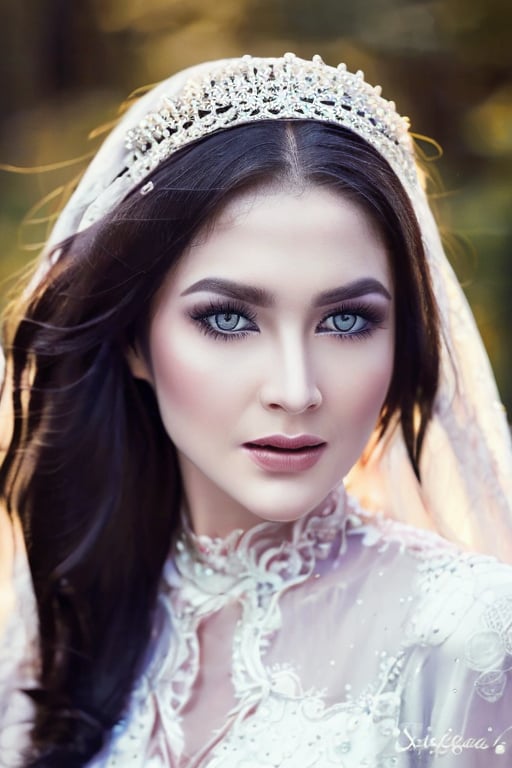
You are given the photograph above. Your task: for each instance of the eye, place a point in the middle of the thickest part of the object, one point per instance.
(353, 321)
(227, 322)
(346, 322)
(224, 321)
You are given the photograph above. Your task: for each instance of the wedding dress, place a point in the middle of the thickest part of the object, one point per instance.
(340, 640)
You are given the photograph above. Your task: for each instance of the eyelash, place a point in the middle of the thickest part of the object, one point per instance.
(201, 315)
(374, 317)
(367, 312)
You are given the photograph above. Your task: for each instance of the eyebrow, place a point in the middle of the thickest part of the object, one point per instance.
(249, 293)
(353, 290)
(259, 297)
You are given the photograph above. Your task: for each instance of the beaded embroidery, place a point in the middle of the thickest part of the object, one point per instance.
(426, 620)
(278, 719)
(251, 89)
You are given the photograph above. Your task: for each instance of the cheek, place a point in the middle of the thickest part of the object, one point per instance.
(179, 380)
(360, 408)
(365, 389)
(193, 388)
(370, 399)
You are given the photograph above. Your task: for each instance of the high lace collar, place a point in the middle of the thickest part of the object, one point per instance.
(270, 555)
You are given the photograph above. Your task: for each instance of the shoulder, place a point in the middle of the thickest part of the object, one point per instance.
(458, 637)
(18, 614)
(452, 591)
(456, 641)
(7, 548)
(431, 555)
(377, 530)
(19, 657)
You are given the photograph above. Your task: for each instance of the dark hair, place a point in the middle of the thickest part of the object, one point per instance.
(90, 469)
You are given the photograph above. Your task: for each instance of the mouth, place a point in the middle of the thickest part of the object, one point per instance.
(283, 454)
(284, 443)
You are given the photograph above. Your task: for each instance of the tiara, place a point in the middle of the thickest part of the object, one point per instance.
(249, 89)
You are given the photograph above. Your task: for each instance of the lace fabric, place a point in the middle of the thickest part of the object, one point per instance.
(340, 640)
(260, 641)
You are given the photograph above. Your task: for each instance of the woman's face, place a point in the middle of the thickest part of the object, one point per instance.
(271, 351)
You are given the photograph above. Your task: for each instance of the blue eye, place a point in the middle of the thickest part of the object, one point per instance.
(224, 321)
(346, 323)
(227, 322)
(352, 321)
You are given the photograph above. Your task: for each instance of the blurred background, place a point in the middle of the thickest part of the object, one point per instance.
(67, 64)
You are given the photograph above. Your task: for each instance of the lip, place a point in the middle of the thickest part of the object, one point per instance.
(282, 453)
(287, 442)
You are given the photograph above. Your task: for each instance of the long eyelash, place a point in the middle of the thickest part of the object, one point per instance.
(369, 312)
(230, 306)
(356, 336)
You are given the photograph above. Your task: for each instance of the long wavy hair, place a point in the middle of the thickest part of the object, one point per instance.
(90, 470)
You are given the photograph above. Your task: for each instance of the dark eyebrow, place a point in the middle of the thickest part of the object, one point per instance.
(261, 298)
(352, 291)
(247, 293)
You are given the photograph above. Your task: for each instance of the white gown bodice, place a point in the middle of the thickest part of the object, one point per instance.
(339, 640)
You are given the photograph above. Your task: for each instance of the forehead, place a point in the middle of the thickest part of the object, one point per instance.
(286, 237)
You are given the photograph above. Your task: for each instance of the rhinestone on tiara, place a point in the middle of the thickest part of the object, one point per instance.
(250, 89)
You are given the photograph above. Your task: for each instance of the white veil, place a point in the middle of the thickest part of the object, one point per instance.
(466, 465)
(466, 462)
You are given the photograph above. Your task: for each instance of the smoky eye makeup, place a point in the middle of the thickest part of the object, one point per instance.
(375, 313)
(224, 318)
(353, 319)
(229, 319)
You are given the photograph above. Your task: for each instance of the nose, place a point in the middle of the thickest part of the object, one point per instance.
(290, 382)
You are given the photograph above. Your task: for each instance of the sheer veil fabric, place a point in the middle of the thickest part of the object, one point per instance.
(360, 635)
(467, 455)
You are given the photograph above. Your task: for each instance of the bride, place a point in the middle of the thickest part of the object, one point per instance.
(257, 463)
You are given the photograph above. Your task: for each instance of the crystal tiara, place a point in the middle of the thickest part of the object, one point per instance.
(248, 89)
